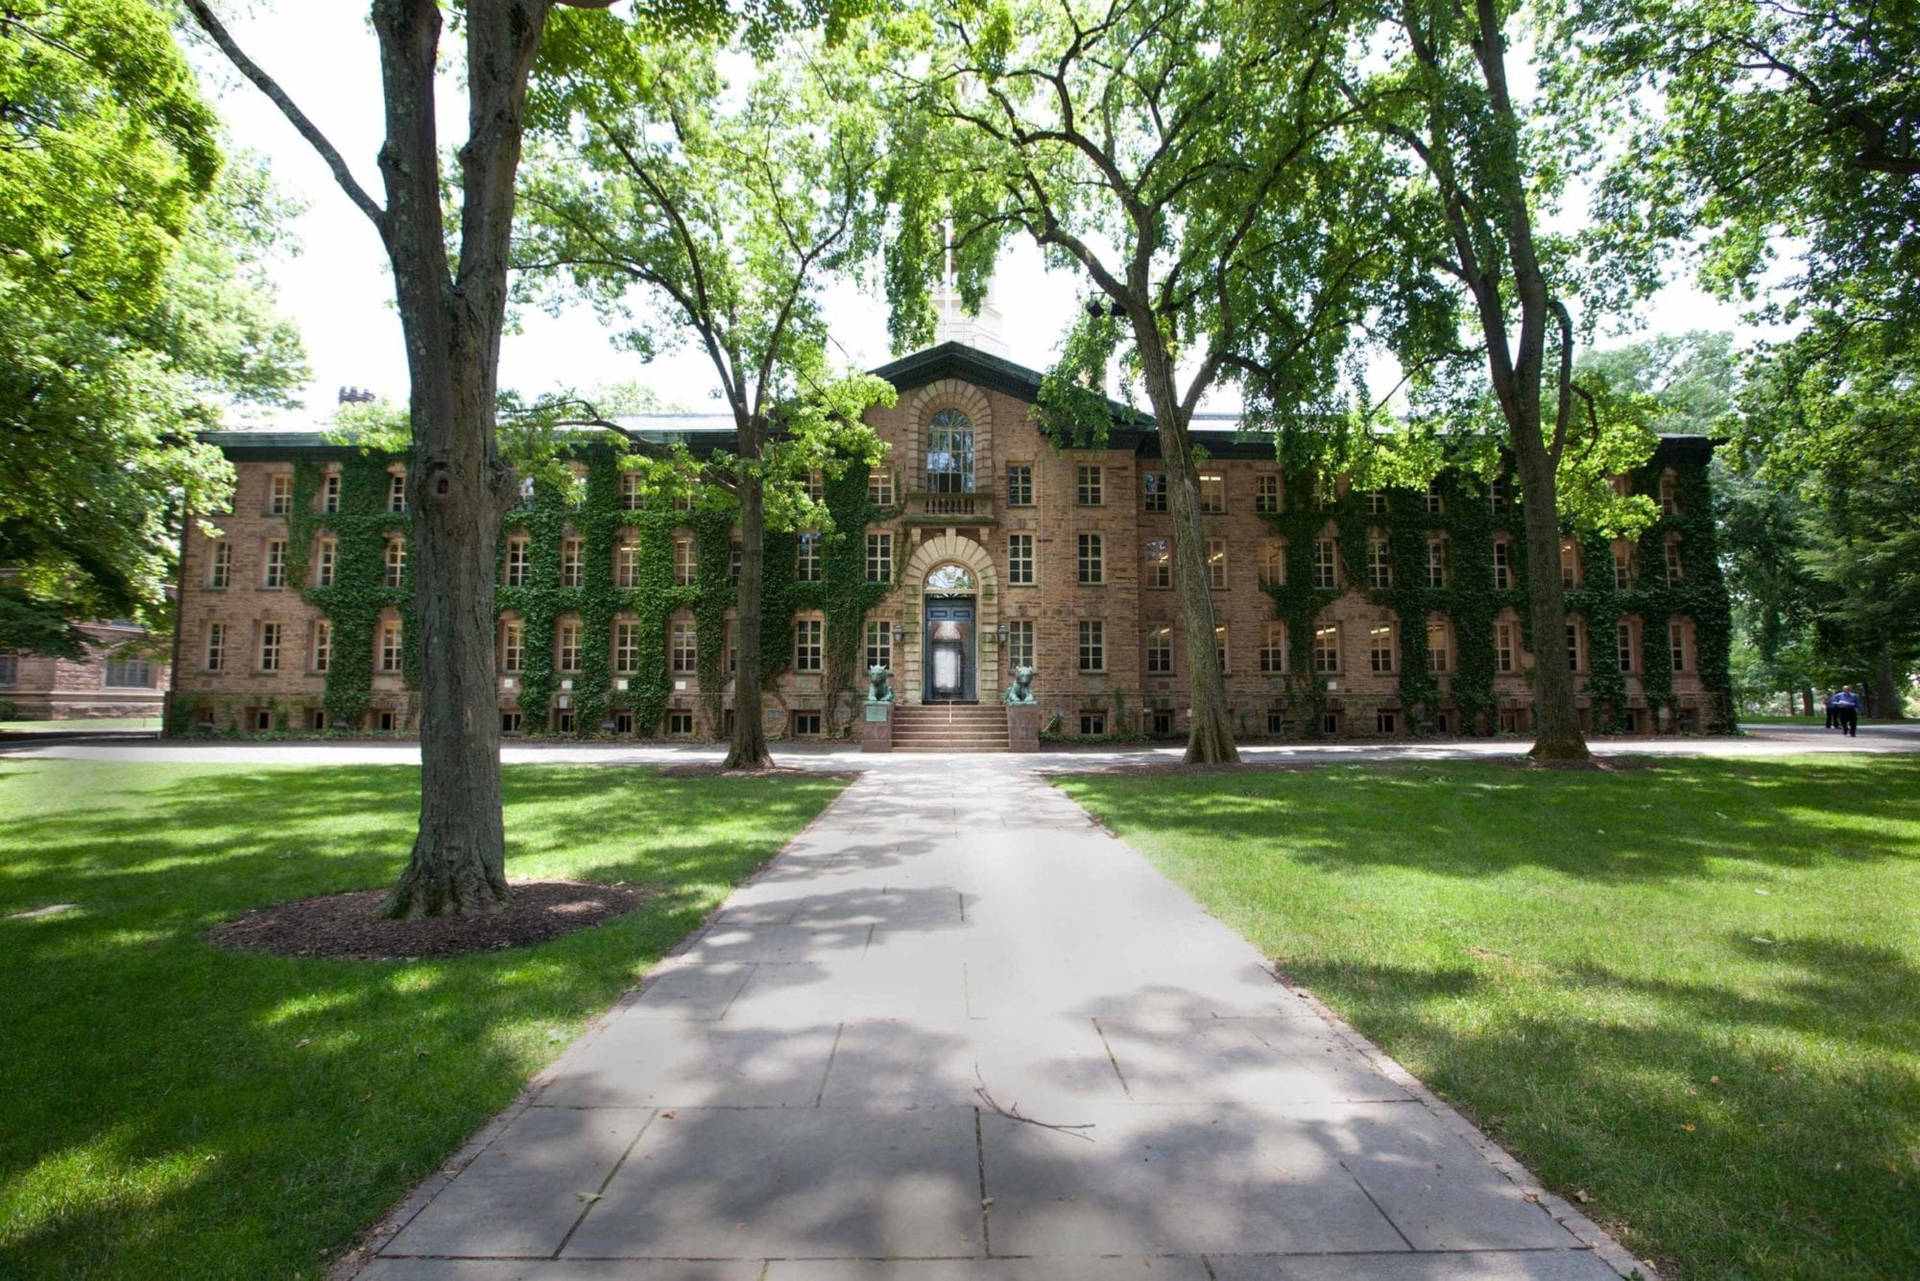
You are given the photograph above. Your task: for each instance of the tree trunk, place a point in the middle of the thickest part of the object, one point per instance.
(1886, 694)
(748, 750)
(1806, 701)
(1210, 729)
(457, 486)
(1557, 733)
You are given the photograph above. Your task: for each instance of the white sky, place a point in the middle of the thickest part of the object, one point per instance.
(340, 293)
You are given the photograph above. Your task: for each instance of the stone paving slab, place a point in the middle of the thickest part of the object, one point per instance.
(730, 1184)
(1010, 1050)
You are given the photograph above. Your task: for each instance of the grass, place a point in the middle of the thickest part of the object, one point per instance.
(176, 1110)
(1689, 994)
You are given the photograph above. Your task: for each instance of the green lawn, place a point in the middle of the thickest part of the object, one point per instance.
(1690, 993)
(174, 1110)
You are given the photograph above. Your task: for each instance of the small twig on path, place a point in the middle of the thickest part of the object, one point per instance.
(1014, 1113)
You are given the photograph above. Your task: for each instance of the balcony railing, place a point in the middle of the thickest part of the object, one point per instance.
(949, 509)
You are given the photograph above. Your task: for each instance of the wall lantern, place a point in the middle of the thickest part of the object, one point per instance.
(899, 633)
(1000, 633)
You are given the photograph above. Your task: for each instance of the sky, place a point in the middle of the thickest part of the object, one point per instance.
(339, 291)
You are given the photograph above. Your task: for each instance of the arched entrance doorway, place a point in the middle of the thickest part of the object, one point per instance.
(952, 649)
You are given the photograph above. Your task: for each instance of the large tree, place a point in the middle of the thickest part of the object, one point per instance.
(726, 208)
(1484, 170)
(1179, 156)
(132, 309)
(451, 287)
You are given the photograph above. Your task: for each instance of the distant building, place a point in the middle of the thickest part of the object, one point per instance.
(117, 677)
(976, 547)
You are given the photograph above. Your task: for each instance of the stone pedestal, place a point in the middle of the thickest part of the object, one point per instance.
(876, 728)
(1023, 727)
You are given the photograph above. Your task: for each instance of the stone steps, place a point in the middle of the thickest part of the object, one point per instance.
(949, 727)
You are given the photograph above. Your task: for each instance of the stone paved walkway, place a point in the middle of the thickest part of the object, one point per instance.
(856, 1071)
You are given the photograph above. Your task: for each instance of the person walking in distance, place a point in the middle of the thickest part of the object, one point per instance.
(1847, 704)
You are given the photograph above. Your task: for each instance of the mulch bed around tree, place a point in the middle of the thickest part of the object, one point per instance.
(347, 925)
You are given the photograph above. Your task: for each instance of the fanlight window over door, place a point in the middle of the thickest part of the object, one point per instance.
(949, 580)
(950, 453)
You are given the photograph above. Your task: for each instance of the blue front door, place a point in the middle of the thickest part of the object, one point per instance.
(948, 655)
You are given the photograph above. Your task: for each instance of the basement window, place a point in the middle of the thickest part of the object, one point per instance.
(806, 724)
(623, 722)
(1093, 722)
(680, 723)
(509, 722)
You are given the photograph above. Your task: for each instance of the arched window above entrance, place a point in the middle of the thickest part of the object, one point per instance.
(950, 580)
(950, 453)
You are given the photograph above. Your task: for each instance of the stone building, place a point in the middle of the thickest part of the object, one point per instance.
(118, 676)
(976, 546)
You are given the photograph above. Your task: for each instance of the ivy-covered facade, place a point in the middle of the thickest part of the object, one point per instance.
(973, 548)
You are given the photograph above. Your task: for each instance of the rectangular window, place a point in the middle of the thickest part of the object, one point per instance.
(806, 725)
(325, 557)
(1019, 484)
(1506, 647)
(510, 722)
(1020, 559)
(1435, 504)
(680, 723)
(1217, 564)
(1622, 566)
(1160, 651)
(1326, 563)
(1220, 645)
(322, 645)
(880, 558)
(1624, 637)
(330, 492)
(1159, 564)
(1569, 564)
(216, 646)
(626, 648)
(683, 562)
(1379, 563)
(1020, 643)
(1213, 495)
(1273, 649)
(129, 673)
(807, 644)
(1093, 645)
(816, 485)
(735, 554)
(1386, 723)
(1090, 486)
(513, 645)
(1575, 657)
(276, 566)
(566, 645)
(519, 556)
(1376, 502)
(1266, 494)
(807, 564)
(1093, 563)
(685, 647)
(397, 492)
(221, 570)
(1439, 648)
(1675, 570)
(1380, 649)
(879, 643)
(1669, 494)
(626, 564)
(1326, 647)
(279, 495)
(270, 647)
(573, 571)
(9, 669)
(632, 497)
(1154, 488)
(396, 562)
(1503, 564)
(1437, 560)
(1273, 563)
(1497, 497)
(683, 502)
(880, 489)
(1677, 644)
(1093, 722)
